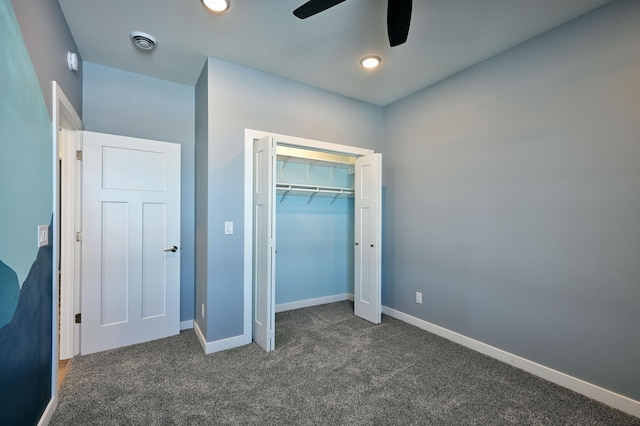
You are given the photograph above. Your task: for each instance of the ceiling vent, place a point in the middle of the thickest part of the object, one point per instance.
(143, 41)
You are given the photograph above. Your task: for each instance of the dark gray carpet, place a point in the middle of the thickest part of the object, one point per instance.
(329, 368)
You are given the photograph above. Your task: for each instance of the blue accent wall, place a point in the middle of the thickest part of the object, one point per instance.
(9, 293)
(26, 200)
(25, 348)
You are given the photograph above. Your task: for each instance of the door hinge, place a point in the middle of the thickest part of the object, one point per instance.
(270, 334)
(79, 155)
(78, 318)
(79, 237)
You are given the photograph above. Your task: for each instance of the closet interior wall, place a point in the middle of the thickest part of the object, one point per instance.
(314, 228)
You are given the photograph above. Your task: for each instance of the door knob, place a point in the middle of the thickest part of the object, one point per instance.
(172, 249)
(356, 243)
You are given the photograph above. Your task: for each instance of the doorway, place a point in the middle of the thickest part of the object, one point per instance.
(65, 124)
(262, 220)
(315, 221)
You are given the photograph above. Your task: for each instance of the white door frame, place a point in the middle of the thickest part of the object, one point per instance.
(249, 137)
(64, 116)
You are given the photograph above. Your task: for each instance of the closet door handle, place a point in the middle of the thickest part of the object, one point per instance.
(371, 245)
(356, 243)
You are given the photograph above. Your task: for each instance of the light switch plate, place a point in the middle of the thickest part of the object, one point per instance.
(228, 228)
(43, 235)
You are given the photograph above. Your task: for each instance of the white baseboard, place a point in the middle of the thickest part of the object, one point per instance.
(220, 345)
(186, 325)
(615, 400)
(48, 412)
(313, 302)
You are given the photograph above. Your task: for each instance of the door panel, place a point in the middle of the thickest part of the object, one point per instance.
(131, 215)
(368, 231)
(153, 279)
(264, 243)
(114, 263)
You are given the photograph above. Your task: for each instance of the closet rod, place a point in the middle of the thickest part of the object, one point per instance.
(312, 190)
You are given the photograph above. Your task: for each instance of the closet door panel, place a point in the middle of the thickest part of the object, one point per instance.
(264, 243)
(367, 250)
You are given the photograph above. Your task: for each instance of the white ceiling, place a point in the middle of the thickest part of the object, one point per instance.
(446, 36)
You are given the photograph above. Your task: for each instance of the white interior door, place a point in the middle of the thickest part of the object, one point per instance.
(368, 231)
(264, 241)
(130, 241)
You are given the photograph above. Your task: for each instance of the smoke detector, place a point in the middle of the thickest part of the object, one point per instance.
(143, 41)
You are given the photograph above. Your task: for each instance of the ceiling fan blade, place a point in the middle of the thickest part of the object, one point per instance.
(398, 20)
(312, 7)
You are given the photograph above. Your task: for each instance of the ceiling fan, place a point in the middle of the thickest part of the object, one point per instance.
(398, 16)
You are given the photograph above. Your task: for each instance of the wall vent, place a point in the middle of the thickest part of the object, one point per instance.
(143, 41)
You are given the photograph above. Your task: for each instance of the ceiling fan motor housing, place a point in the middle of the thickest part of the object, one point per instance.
(398, 16)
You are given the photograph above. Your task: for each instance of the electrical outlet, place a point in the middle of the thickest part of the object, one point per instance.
(418, 297)
(202, 311)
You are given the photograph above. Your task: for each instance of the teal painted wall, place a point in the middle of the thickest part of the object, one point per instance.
(48, 38)
(26, 163)
(26, 201)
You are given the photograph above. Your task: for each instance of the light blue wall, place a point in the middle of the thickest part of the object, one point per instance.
(124, 103)
(513, 200)
(240, 98)
(315, 248)
(202, 196)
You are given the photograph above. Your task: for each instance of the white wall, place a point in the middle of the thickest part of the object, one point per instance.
(129, 104)
(241, 98)
(513, 200)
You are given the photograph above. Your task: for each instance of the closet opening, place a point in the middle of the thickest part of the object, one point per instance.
(315, 228)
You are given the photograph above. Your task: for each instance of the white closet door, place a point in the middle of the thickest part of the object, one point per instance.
(264, 234)
(130, 240)
(368, 197)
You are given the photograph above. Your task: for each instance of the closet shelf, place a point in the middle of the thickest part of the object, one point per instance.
(313, 190)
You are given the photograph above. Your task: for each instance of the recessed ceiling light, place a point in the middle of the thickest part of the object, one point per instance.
(216, 5)
(371, 61)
